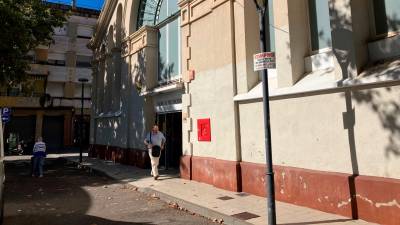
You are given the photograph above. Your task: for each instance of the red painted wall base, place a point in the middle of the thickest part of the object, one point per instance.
(133, 157)
(377, 199)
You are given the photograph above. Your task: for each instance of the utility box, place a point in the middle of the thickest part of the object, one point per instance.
(204, 130)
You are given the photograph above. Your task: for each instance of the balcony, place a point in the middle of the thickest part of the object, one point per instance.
(19, 101)
(38, 69)
(68, 74)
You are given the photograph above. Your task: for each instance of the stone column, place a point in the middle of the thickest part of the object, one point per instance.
(39, 124)
(68, 129)
(109, 73)
(116, 84)
(94, 96)
(349, 41)
(246, 44)
(100, 85)
(291, 40)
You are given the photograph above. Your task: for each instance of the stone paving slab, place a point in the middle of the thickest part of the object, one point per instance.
(212, 202)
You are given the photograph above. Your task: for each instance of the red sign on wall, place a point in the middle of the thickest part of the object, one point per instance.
(204, 129)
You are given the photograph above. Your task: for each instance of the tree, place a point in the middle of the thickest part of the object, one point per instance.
(25, 24)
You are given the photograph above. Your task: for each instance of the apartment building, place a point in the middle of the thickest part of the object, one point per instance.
(48, 104)
(333, 94)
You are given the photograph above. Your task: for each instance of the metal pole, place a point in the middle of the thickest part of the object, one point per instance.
(165, 147)
(262, 13)
(81, 122)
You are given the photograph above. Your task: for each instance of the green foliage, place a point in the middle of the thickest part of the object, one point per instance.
(25, 24)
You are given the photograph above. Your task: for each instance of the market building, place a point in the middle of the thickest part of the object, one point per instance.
(48, 104)
(188, 66)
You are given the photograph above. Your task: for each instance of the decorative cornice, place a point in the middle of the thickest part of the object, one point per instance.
(102, 22)
(192, 10)
(146, 36)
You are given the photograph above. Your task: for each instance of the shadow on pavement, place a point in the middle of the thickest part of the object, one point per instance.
(62, 197)
(61, 220)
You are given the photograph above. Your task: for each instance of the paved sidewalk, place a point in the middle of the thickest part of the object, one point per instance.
(49, 156)
(211, 202)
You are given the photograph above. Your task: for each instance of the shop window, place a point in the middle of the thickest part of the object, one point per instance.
(320, 28)
(387, 16)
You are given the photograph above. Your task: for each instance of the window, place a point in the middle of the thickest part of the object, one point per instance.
(84, 37)
(271, 29)
(83, 61)
(164, 15)
(168, 54)
(84, 32)
(30, 58)
(320, 27)
(387, 16)
(56, 62)
(148, 12)
(62, 31)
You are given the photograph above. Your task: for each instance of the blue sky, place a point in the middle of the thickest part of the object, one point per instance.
(90, 4)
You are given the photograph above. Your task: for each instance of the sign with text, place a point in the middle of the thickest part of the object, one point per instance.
(5, 115)
(264, 60)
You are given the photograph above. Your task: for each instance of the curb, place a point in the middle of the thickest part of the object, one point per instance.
(191, 207)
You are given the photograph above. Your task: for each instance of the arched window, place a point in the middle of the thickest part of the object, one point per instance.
(164, 14)
(148, 12)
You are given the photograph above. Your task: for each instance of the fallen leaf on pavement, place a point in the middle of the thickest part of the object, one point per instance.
(173, 205)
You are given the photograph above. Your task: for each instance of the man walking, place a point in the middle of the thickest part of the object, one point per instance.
(39, 153)
(155, 142)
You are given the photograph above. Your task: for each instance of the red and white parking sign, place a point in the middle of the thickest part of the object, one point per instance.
(264, 60)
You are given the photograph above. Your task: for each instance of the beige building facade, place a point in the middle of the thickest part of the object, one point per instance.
(48, 104)
(333, 94)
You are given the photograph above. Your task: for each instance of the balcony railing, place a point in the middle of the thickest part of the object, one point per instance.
(21, 94)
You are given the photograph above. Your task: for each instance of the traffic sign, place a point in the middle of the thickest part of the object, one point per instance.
(264, 60)
(5, 115)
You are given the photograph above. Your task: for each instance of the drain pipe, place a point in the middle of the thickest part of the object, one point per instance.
(235, 88)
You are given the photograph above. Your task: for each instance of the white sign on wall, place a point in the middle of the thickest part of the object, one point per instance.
(264, 60)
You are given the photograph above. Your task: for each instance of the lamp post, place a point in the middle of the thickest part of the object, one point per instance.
(262, 9)
(82, 81)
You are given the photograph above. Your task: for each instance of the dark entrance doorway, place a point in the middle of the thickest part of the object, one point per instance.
(21, 129)
(171, 125)
(53, 133)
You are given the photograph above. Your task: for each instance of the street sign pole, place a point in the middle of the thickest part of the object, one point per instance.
(262, 13)
(82, 81)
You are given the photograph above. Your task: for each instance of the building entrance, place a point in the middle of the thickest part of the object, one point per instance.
(21, 129)
(171, 125)
(53, 133)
